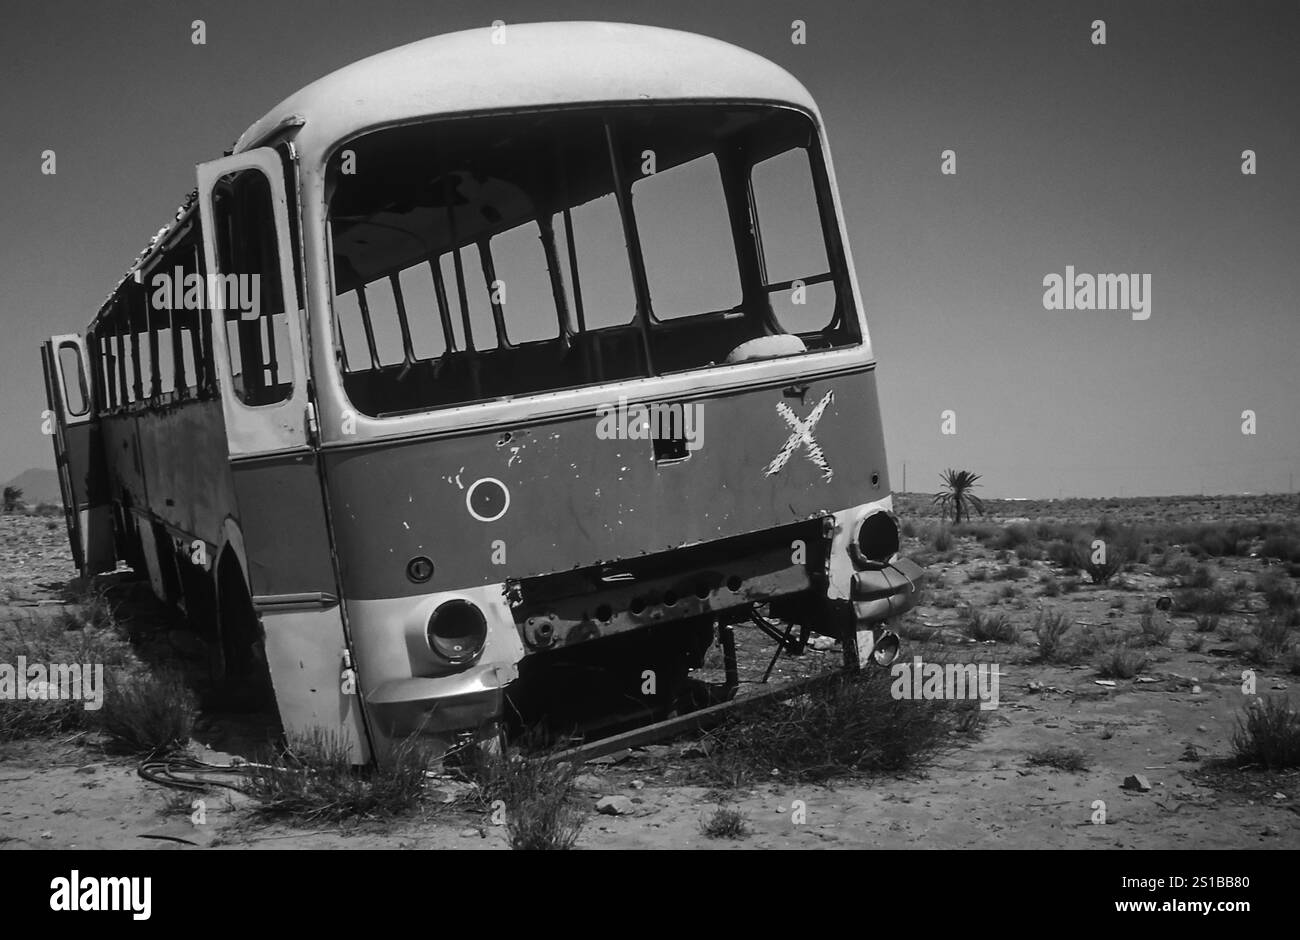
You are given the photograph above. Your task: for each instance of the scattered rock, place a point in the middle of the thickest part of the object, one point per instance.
(696, 750)
(1196, 690)
(589, 782)
(1202, 728)
(1136, 782)
(823, 643)
(88, 769)
(1110, 683)
(1164, 602)
(638, 784)
(1271, 831)
(614, 806)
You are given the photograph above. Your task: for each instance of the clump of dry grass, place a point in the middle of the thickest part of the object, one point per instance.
(1061, 758)
(1277, 590)
(1050, 626)
(1270, 640)
(725, 823)
(1268, 735)
(1156, 629)
(1201, 578)
(942, 541)
(1120, 661)
(1197, 601)
(147, 712)
(539, 797)
(139, 711)
(1102, 566)
(311, 780)
(849, 725)
(995, 626)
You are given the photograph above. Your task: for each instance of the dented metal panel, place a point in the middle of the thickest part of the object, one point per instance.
(575, 500)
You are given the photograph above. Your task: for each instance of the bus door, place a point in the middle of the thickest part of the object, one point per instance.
(261, 367)
(78, 455)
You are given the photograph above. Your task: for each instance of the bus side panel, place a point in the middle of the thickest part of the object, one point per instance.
(121, 459)
(291, 574)
(85, 494)
(170, 467)
(281, 517)
(576, 499)
(182, 449)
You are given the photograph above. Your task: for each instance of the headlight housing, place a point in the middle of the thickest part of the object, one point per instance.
(457, 631)
(876, 540)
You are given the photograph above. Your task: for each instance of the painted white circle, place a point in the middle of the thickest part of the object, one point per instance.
(469, 499)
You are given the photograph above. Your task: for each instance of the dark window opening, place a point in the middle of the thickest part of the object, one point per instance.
(795, 268)
(152, 343)
(690, 259)
(76, 397)
(257, 325)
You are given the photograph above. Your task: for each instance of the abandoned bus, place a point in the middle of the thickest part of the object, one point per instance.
(490, 377)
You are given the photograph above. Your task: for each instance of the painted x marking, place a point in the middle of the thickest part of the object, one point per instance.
(802, 434)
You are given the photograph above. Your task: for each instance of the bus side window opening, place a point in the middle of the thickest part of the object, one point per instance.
(256, 322)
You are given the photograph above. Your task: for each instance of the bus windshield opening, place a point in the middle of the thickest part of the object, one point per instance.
(491, 257)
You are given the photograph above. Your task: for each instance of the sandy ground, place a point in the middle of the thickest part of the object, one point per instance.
(1172, 724)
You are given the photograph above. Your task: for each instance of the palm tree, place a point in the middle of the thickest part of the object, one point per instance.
(12, 494)
(958, 496)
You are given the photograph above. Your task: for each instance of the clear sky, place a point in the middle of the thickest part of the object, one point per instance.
(1115, 158)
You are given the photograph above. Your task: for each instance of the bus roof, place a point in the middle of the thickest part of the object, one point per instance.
(537, 65)
(532, 65)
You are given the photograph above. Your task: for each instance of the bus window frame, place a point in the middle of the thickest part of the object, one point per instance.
(848, 314)
(281, 425)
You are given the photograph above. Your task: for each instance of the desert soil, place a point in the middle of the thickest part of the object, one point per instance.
(1172, 724)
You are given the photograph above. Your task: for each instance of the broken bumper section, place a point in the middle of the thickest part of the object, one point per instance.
(539, 614)
(886, 590)
(468, 700)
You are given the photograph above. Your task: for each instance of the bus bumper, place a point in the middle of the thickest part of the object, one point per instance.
(441, 705)
(886, 591)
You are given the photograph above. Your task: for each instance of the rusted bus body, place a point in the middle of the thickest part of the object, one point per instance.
(428, 527)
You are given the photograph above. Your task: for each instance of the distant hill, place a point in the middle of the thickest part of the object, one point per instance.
(38, 486)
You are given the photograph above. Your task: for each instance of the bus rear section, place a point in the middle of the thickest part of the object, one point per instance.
(604, 385)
